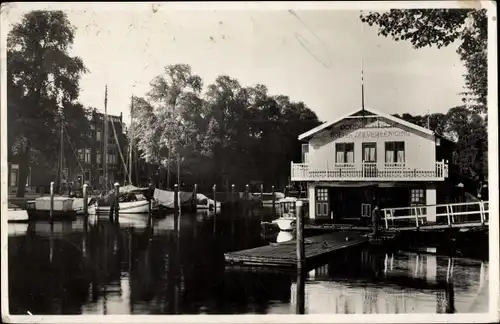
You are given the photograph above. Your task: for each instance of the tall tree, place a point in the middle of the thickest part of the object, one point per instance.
(41, 79)
(441, 27)
(169, 93)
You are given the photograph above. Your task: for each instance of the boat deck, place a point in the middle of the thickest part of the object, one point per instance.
(285, 254)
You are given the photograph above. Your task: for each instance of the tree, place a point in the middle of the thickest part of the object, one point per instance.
(42, 78)
(441, 27)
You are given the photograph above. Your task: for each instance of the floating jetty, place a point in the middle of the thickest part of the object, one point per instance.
(285, 254)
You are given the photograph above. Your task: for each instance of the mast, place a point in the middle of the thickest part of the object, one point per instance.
(131, 139)
(105, 153)
(61, 153)
(362, 78)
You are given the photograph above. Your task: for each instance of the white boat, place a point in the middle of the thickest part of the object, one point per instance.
(138, 206)
(166, 199)
(205, 203)
(17, 215)
(287, 210)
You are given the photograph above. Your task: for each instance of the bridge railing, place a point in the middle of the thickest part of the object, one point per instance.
(450, 214)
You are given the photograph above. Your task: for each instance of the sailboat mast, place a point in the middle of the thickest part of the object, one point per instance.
(61, 153)
(131, 139)
(105, 153)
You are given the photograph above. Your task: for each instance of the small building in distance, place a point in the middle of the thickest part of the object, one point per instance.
(90, 165)
(369, 157)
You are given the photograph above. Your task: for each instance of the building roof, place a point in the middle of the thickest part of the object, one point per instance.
(400, 121)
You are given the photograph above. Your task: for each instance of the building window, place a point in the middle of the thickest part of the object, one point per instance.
(305, 153)
(98, 135)
(87, 155)
(14, 174)
(80, 154)
(344, 153)
(394, 152)
(417, 197)
(322, 202)
(98, 157)
(369, 152)
(86, 176)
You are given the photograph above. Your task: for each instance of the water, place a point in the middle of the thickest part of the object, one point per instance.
(177, 267)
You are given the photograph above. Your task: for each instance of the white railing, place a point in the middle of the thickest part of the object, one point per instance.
(444, 214)
(367, 171)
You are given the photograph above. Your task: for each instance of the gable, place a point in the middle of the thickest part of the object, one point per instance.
(367, 119)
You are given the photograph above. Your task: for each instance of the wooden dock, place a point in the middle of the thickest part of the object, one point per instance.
(285, 254)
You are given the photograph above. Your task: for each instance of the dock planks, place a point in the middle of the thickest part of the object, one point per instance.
(285, 254)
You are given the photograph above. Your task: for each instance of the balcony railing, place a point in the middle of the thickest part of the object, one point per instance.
(367, 172)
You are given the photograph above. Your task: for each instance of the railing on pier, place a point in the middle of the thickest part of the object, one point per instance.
(468, 214)
(367, 171)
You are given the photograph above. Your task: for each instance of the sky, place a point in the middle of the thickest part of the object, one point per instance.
(312, 56)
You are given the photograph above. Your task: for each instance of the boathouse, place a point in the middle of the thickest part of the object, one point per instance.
(369, 157)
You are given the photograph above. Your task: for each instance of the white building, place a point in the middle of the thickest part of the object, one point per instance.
(346, 159)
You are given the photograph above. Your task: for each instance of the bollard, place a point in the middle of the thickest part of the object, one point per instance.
(232, 195)
(261, 195)
(117, 204)
(195, 197)
(274, 197)
(176, 197)
(85, 201)
(51, 202)
(300, 233)
(247, 192)
(215, 196)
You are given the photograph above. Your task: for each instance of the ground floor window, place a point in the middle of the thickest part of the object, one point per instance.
(14, 173)
(417, 196)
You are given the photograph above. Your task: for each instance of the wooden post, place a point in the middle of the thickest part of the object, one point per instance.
(117, 204)
(176, 197)
(85, 200)
(300, 291)
(300, 234)
(52, 201)
(215, 198)
(274, 198)
(195, 199)
(232, 196)
(247, 192)
(262, 195)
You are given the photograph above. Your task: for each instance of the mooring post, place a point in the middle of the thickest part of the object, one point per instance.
(300, 292)
(195, 199)
(274, 198)
(215, 196)
(51, 202)
(117, 204)
(232, 196)
(261, 195)
(176, 197)
(85, 200)
(300, 234)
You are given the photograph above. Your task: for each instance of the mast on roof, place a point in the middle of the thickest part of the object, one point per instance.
(362, 78)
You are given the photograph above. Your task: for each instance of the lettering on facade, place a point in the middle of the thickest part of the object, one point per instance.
(371, 134)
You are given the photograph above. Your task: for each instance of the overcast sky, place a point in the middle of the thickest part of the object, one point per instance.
(310, 56)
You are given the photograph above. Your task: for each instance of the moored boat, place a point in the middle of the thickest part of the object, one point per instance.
(17, 215)
(64, 208)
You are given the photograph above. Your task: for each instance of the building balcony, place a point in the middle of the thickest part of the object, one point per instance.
(367, 172)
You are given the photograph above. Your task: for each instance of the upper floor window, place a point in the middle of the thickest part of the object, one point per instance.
(305, 153)
(394, 152)
(99, 135)
(344, 153)
(87, 155)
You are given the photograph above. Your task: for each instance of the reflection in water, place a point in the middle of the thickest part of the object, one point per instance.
(176, 266)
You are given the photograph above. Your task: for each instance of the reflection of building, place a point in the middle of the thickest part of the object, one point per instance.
(345, 159)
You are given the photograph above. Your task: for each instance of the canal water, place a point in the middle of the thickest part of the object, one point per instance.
(176, 266)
